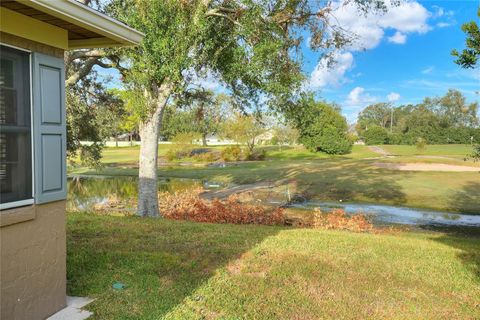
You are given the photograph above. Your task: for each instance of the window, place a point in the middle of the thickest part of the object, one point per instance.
(16, 184)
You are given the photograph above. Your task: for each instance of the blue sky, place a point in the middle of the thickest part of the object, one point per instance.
(407, 57)
(401, 56)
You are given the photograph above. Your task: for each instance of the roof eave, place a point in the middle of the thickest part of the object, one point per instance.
(114, 32)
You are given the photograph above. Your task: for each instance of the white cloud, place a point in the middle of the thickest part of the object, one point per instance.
(358, 97)
(408, 17)
(356, 100)
(393, 96)
(444, 24)
(398, 38)
(324, 75)
(448, 15)
(369, 30)
(428, 70)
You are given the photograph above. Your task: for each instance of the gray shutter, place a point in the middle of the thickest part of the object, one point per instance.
(49, 125)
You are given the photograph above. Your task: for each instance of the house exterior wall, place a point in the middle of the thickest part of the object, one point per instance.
(32, 242)
(32, 267)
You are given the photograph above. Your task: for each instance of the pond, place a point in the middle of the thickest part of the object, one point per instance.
(84, 193)
(389, 215)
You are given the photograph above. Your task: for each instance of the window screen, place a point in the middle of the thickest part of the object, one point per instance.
(15, 126)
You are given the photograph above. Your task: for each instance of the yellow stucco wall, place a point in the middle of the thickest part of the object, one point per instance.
(32, 244)
(32, 29)
(33, 267)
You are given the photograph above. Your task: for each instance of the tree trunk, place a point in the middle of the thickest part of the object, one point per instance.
(204, 140)
(116, 140)
(147, 174)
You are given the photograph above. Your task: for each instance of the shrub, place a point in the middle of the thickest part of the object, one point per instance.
(178, 153)
(352, 137)
(206, 156)
(375, 135)
(334, 141)
(476, 153)
(232, 153)
(256, 155)
(337, 219)
(421, 144)
(395, 138)
(188, 205)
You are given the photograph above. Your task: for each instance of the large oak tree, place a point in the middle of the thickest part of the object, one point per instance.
(253, 47)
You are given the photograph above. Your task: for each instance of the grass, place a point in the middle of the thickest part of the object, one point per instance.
(183, 270)
(446, 150)
(300, 153)
(125, 155)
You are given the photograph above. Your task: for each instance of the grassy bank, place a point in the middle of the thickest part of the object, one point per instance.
(182, 270)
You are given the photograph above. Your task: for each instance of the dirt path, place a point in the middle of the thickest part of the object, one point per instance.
(379, 150)
(426, 167)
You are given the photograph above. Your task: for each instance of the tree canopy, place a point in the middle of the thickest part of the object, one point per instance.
(438, 120)
(321, 126)
(468, 57)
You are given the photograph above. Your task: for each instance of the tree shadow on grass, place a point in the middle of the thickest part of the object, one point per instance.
(467, 199)
(161, 262)
(344, 180)
(351, 181)
(469, 251)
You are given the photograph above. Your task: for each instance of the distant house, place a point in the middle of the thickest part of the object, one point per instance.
(33, 37)
(266, 137)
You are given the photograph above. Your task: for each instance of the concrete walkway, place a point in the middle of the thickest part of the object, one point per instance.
(73, 310)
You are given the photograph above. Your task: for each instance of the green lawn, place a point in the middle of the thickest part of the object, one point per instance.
(300, 153)
(126, 155)
(447, 150)
(183, 270)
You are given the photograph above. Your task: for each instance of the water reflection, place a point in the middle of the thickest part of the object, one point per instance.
(84, 193)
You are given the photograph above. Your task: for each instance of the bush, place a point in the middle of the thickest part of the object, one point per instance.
(206, 156)
(395, 138)
(188, 205)
(256, 155)
(476, 153)
(334, 141)
(232, 153)
(421, 144)
(375, 135)
(178, 153)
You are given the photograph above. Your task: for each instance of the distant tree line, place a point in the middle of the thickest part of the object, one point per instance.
(440, 120)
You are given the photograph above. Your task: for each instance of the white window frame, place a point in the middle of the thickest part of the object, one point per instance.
(26, 202)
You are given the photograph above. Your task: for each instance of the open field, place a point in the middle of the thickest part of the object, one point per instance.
(357, 178)
(183, 270)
